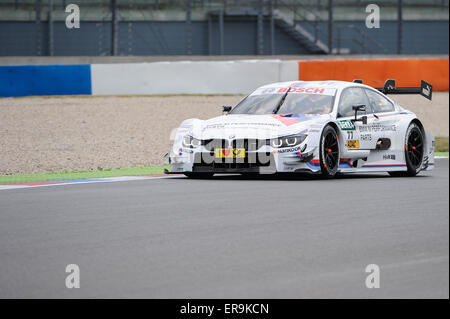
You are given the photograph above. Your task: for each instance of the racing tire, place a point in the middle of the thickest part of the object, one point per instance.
(329, 152)
(414, 151)
(199, 175)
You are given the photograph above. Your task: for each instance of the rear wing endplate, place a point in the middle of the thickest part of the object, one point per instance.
(425, 89)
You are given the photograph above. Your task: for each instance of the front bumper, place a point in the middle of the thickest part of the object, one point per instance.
(260, 162)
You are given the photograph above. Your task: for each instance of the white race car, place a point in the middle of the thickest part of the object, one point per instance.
(323, 127)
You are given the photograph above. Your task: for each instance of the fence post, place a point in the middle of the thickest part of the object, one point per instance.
(37, 9)
(188, 28)
(114, 27)
(221, 33)
(330, 26)
(260, 29)
(272, 28)
(209, 34)
(50, 27)
(399, 24)
(339, 40)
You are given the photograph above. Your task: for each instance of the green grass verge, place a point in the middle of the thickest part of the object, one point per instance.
(42, 177)
(441, 144)
(441, 154)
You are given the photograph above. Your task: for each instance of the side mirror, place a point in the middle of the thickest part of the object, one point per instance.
(359, 108)
(226, 108)
(364, 119)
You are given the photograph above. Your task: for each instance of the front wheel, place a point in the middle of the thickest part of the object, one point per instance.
(329, 152)
(414, 150)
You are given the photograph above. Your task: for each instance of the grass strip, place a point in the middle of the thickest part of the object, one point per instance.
(441, 144)
(442, 154)
(59, 176)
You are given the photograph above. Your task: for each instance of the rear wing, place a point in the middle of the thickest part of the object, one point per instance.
(425, 89)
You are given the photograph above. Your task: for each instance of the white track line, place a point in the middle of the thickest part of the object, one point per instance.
(87, 181)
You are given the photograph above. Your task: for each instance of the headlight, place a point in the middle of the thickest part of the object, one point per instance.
(191, 142)
(287, 141)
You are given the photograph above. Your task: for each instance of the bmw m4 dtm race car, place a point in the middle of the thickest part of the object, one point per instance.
(323, 127)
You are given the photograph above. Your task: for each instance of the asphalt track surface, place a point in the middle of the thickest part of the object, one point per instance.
(229, 237)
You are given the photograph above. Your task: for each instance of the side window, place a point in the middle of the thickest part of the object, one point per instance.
(349, 98)
(379, 103)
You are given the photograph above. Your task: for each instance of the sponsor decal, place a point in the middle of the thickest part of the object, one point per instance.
(352, 144)
(389, 157)
(377, 128)
(221, 126)
(289, 150)
(268, 90)
(230, 152)
(310, 90)
(384, 128)
(346, 125)
(366, 137)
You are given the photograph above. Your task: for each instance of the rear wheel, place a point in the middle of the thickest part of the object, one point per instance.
(199, 175)
(329, 152)
(414, 150)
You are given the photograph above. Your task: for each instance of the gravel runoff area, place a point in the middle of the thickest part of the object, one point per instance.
(52, 134)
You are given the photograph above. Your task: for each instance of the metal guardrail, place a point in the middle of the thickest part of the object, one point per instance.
(305, 12)
(361, 40)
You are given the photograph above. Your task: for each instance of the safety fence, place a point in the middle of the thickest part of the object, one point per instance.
(211, 77)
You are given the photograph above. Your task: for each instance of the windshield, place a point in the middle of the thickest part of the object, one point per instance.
(257, 104)
(297, 101)
(307, 104)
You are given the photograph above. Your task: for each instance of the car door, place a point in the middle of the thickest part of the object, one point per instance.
(384, 122)
(356, 135)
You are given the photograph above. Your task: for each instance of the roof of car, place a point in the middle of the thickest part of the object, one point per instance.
(332, 84)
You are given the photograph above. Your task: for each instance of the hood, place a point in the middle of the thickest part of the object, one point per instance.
(255, 126)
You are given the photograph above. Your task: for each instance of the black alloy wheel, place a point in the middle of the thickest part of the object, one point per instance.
(329, 152)
(414, 151)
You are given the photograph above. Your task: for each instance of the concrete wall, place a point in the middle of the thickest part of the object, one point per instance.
(222, 77)
(25, 80)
